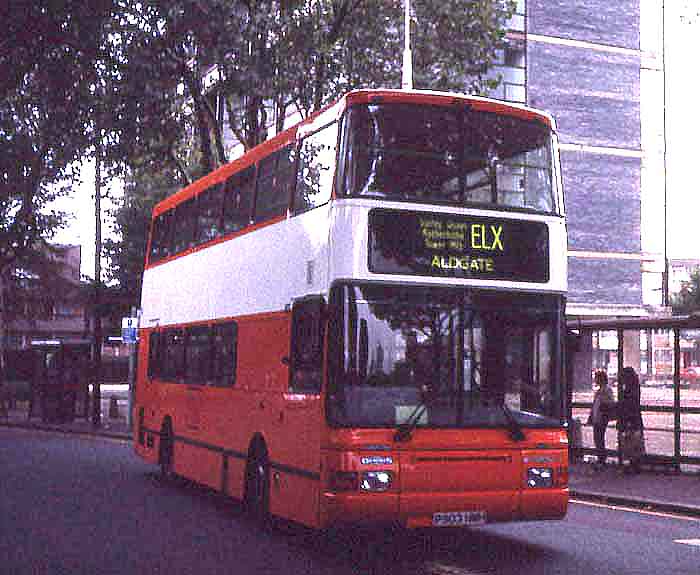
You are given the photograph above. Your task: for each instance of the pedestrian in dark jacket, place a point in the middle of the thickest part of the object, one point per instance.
(630, 423)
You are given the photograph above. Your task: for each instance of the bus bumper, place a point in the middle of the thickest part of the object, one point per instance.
(420, 510)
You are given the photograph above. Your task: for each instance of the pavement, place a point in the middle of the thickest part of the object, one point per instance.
(653, 488)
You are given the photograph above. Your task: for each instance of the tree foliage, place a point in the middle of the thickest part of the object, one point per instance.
(268, 58)
(48, 70)
(47, 65)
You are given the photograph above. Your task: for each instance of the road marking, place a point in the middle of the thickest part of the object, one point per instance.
(630, 509)
(693, 542)
(435, 568)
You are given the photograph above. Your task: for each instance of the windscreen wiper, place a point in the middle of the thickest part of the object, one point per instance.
(515, 430)
(405, 429)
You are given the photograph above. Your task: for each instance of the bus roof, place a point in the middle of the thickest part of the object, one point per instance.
(333, 111)
(448, 98)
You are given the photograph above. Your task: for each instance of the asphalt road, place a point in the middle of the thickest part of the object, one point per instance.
(72, 505)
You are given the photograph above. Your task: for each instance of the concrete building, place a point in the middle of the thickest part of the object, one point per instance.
(597, 66)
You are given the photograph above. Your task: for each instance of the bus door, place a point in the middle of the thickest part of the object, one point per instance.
(300, 418)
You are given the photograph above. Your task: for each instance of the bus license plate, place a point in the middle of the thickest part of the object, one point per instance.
(459, 518)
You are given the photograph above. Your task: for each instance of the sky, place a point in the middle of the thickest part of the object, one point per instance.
(682, 128)
(80, 211)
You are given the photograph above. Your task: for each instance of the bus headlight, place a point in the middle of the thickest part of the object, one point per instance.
(538, 477)
(375, 480)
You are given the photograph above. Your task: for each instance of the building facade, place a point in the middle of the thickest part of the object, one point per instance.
(597, 67)
(37, 309)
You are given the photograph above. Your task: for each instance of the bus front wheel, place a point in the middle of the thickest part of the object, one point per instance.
(257, 486)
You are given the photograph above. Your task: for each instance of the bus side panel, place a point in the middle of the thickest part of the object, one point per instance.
(199, 464)
(295, 485)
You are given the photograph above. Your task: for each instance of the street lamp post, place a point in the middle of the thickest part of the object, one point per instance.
(97, 347)
(407, 68)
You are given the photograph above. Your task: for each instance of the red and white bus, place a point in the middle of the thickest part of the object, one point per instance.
(362, 319)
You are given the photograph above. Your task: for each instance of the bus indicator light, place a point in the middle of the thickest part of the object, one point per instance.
(540, 477)
(376, 481)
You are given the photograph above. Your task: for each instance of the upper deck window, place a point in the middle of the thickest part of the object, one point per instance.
(438, 154)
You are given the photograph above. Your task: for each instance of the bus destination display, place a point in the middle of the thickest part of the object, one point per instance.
(448, 245)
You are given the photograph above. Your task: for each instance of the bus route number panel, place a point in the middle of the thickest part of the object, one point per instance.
(458, 246)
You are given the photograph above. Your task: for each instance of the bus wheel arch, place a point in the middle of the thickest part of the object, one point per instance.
(166, 448)
(256, 489)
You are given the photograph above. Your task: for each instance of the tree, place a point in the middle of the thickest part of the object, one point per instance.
(687, 300)
(47, 55)
(48, 51)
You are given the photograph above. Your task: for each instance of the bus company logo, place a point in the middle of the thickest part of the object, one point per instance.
(377, 460)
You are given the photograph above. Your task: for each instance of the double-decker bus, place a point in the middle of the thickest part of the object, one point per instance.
(361, 319)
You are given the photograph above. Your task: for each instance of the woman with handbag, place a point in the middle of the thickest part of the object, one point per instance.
(630, 423)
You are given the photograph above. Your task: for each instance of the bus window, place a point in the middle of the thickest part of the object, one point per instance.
(238, 200)
(155, 354)
(316, 163)
(224, 344)
(184, 225)
(275, 180)
(466, 354)
(160, 241)
(307, 346)
(286, 172)
(209, 204)
(173, 367)
(434, 154)
(197, 355)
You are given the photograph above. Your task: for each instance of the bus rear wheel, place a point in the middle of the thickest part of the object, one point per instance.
(165, 451)
(257, 486)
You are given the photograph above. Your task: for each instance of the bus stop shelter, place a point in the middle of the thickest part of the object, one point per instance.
(665, 353)
(60, 378)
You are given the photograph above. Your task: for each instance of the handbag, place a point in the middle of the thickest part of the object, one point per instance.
(632, 444)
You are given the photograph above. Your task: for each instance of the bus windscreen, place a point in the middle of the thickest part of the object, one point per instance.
(439, 154)
(445, 358)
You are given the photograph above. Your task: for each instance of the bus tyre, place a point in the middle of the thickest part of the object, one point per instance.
(165, 451)
(257, 486)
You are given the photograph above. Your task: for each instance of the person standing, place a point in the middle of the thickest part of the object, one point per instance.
(630, 424)
(603, 404)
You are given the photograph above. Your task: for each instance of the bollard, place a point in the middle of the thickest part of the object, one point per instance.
(113, 408)
(576, 447)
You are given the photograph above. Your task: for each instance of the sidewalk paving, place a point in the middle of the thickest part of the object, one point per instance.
(116, 428)
(660, 490)
(657, 489)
